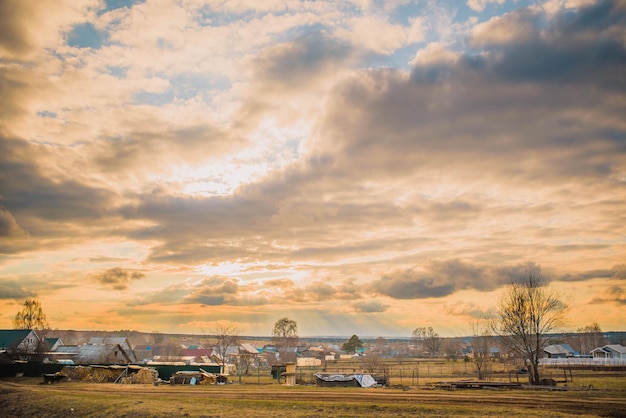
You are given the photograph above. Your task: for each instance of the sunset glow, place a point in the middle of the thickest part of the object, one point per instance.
(360, 167)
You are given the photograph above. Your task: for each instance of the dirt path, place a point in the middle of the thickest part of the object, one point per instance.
(588, 403)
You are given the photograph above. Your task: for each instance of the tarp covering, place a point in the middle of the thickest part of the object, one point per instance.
(364, 380)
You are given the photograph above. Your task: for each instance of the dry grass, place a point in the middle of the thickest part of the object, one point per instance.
(27, 397)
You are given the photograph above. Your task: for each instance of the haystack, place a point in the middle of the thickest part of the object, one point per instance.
(145, 375)
(77, 372)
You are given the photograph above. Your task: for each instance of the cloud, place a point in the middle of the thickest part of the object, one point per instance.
(302, 60)
(11, 289)
(370, 306)
(584, 47)
(520, 26)
(26, 27)
(9, 226)
(438, 279)
(616, 272)
(214, 291)
(479, 5)
(117, 278)
(295, 147)
(613, 295)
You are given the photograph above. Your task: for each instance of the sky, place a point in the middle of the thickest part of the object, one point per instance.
(359, 166)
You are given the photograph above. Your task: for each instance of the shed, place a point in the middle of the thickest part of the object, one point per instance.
(559, 351)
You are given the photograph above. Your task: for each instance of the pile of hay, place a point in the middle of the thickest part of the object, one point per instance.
(91, 374)
(145, 375)
(77, 372)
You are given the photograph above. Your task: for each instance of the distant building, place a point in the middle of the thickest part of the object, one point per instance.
(16, 344)
(52, 344)
(112, 350)
(559, 351)
(616, 351)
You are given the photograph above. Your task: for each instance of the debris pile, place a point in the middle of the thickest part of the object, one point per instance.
(201, 377)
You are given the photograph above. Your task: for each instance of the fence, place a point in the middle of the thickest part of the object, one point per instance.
(590, 363)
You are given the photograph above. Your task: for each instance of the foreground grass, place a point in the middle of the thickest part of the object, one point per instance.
(27, 397)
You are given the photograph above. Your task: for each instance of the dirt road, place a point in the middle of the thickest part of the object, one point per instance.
(148, 400)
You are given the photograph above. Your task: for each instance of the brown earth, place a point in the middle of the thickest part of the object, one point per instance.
(93, 399)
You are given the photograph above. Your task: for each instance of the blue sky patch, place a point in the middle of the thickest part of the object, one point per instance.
(85, 35)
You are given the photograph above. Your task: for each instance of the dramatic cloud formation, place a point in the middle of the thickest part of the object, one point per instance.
(117, 278)
(359, 167)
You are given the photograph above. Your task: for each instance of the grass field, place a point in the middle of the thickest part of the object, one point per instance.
(21, 397)
(420, 373)
(412, 392)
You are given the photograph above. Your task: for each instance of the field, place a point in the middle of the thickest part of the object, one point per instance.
(29, 397)
(414, 390)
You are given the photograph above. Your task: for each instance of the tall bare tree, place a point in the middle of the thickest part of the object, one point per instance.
(426, 340)
(527, 313)
(226, 336)
(285, 334)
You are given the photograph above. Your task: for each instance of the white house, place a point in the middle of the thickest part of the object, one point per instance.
(610, 351)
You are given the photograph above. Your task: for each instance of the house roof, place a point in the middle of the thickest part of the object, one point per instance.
(109, 340)
(617, 348)
(51, 342)
(12, 337)
(249, 348)
(197, 352)
(611, 348)
(558, 349)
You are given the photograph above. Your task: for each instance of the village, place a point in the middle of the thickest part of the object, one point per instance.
(323, 360)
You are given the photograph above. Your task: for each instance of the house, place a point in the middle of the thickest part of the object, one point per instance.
(249, 349)
(19, 343)
(198, 354)
(111, 350)
(610, 351)
(559, 351)
(53, 343)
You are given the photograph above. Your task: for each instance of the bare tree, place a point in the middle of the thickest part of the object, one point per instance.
(481, 348)
(245, 361)
(285, 334)
(589, 338)
(527, 313)
(226, 336)
(452, 348)
(371, 362)
(426, 340)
